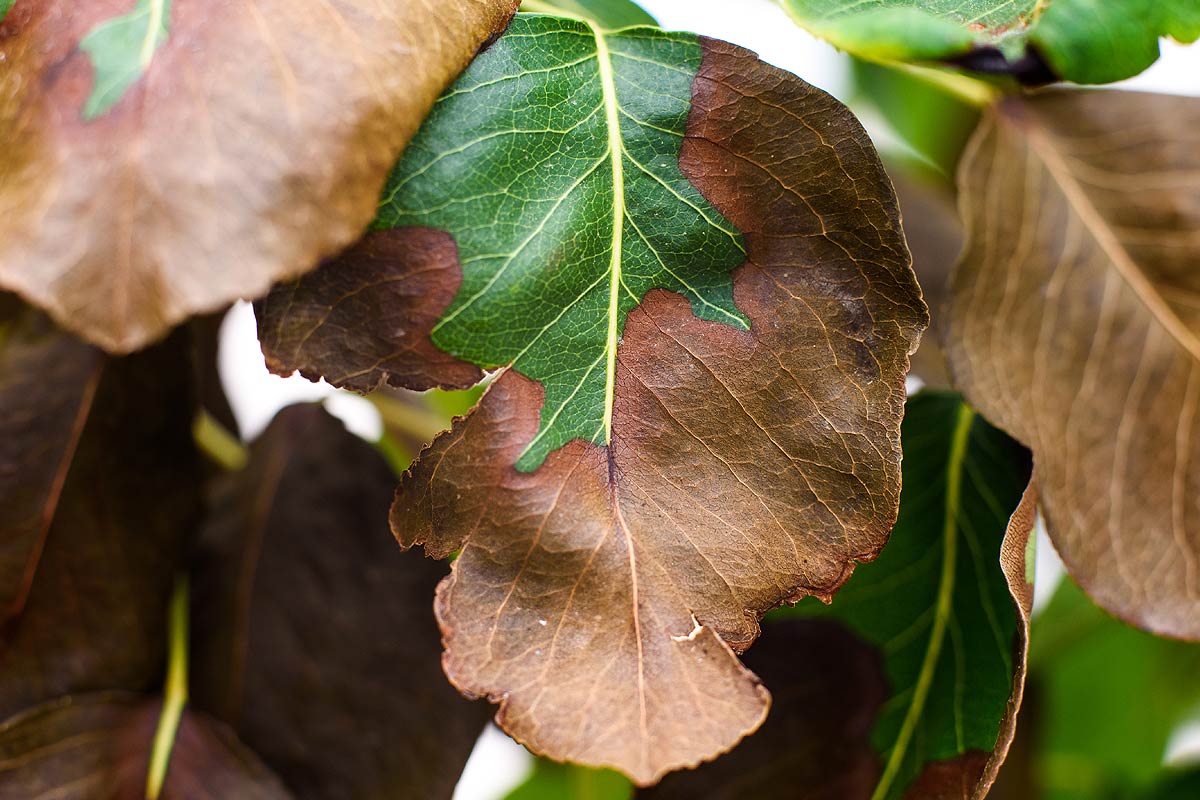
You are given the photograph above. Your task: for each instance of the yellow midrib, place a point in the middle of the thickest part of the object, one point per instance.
(150, 42)
(609, 88)
(941, 614)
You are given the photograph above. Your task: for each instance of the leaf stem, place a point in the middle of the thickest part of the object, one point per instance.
(218, 443)
(943, 608)
(175, 693)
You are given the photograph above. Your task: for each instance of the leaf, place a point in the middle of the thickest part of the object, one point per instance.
(609, 14)
(947, 604)
(121, 50)
(553, 781)
(313, 635)
(98, 746)
(1107, 698)
(1086, 41)
(1072, 324)
(85, 443)
(245, 147)
(600, 597)
(828, 688)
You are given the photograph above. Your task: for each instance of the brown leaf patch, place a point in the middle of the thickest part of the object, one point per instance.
(361, 320)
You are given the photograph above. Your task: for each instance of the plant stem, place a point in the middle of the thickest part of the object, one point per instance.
(217, 443)
(175, 693)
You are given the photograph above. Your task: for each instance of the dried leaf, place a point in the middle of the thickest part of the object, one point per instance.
(95, 557)
(1073, 324)
(160, 159)
(97, 747)
(655, 469)
(313, 635)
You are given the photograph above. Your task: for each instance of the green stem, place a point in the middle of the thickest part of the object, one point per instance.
(217, 443)
(401, 417)
(175, 693)
(945, 596)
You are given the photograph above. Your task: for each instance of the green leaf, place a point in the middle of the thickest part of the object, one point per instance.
(554, 781)
(597, 215)
(121, 50)
(610, 14)
(1086, 41)
(938, 603)
(1107, 699)
(5, 5)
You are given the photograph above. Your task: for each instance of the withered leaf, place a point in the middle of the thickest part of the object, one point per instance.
(1073, 323)
(99, 495)
(313, 635)
(97, 747)
(246, 144)
(657, 467)
(828, 687)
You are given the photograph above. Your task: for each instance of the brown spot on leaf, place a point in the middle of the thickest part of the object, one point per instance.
(363, 318)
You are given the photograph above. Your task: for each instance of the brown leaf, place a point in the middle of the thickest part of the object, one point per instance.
(342, 322)
(600, 600)
(313, 634)
(100, 494)
(256, 142)
(1074, 324)
(97, 747)
(827, 687)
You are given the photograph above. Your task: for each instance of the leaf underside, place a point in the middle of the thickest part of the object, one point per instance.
(745, 352)
(1073, 323)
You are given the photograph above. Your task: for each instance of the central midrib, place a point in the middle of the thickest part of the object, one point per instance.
(609, 88)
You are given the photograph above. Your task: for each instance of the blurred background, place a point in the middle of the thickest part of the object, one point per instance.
(919, 136)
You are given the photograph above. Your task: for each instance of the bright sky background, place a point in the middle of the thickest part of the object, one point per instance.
(498, 764)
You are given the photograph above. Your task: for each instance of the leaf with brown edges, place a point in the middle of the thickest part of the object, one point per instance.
(1074, 323)
(609, 575)
(236, 149)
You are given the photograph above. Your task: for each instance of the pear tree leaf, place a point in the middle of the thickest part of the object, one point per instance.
(1072, 323)
(144, 183)
(98, 745)
(88, 560)
(947, 604)
(608, 14)
(312, 633)
(688, 270)
(1085, 41)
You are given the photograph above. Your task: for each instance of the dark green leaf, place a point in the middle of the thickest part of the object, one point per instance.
(313, 634)
(947, 601)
